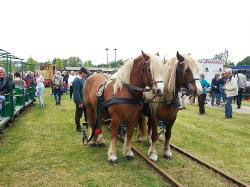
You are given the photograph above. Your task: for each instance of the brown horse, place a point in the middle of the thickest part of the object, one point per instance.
(121, 97)
(181, 71)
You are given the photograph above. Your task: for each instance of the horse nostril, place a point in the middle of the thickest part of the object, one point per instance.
(158, 92)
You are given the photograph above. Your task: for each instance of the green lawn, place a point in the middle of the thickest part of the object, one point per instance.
(42, 149)
(246, 103)
(222, 142)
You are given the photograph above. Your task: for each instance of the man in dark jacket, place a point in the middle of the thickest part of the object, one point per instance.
(215, 85)
(77, 86)
(4, 86)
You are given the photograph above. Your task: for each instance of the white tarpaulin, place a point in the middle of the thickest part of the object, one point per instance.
(211, 66)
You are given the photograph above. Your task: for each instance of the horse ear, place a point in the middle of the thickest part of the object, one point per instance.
(145, 56)
(179, 57)
(157, 54)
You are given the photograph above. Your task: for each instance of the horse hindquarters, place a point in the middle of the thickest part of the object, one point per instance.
(90, 99)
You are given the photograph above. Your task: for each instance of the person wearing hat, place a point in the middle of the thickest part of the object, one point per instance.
(77, 86)
(231, 90)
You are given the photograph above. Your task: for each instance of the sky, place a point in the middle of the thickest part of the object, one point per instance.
(45, 29)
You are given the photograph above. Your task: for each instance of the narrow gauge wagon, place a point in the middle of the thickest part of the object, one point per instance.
(17, 98)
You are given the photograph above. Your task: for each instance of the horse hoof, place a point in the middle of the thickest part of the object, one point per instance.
(167, 157)
(101, 145)
(128, 157)
(140, 140)
(153, 157)
(92, 145)
(113, 162)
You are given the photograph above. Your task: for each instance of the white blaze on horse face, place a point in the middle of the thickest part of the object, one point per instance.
(160, 85)
(198, 87)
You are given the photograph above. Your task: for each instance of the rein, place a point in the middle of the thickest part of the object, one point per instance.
(136, 88)
(165, 102)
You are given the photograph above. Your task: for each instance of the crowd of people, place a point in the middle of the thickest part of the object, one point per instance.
(62, 83)
(224, 88)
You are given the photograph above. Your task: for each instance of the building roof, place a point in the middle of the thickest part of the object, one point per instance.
(91, 69)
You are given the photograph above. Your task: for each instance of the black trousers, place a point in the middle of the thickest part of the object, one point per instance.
(70, 91)
(201, 101)
(78, 115)
(239, 97)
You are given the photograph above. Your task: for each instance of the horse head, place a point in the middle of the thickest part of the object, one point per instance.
(187, 74)
(151, 75)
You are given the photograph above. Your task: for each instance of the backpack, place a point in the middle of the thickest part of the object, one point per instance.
(56, 81)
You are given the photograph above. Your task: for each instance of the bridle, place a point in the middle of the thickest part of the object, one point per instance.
(178, 69)
(145, 71)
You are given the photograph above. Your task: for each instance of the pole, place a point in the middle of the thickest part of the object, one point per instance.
(107, 49)
(115, 58)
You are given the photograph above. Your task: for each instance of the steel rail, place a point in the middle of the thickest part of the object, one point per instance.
(153, 165)
(209, 166)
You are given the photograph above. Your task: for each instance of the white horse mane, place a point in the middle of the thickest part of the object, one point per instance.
(169, 75)
(123, 74)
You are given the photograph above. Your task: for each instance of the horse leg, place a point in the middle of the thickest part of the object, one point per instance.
(128, 153)
(152, 153)
(149, 130)
(100, 140)
(167, 150)
(142, 128)
(114, 136)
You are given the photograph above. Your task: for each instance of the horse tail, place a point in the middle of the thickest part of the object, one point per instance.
(97, 127)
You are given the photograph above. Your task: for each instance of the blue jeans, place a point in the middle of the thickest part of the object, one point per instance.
(40, 96)
(228, 107)
(217, 96)
(2, 99)
(57, 94)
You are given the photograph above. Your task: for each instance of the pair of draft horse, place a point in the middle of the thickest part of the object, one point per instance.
(119, 97)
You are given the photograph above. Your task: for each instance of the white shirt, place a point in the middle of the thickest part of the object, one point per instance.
(71, 79)
(241, 80)
(231, 87)
(39, 82)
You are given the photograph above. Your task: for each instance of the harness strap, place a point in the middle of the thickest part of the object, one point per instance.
(127, 101)
(136, 88)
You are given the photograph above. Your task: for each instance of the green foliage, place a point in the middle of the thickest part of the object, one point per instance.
(112, 64)
(74, 61)
(59, 64)
(30, 65)
(88, 63)
(244, 62)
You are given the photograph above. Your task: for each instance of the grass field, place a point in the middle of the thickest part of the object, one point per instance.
(246, 103)
(42, 149)
(222, 142)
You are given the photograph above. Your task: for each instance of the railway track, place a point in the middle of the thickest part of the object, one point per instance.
(209, 166)
(171, 180)
(153, 165)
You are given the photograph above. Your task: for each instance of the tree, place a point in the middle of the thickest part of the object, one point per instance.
(112, 64)
(30, 65)
(245, 61)
(74, 62)
(88, 63)
(59, 64)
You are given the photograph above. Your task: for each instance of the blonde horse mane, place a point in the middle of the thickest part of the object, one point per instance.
(170, 73)
(123, 74)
